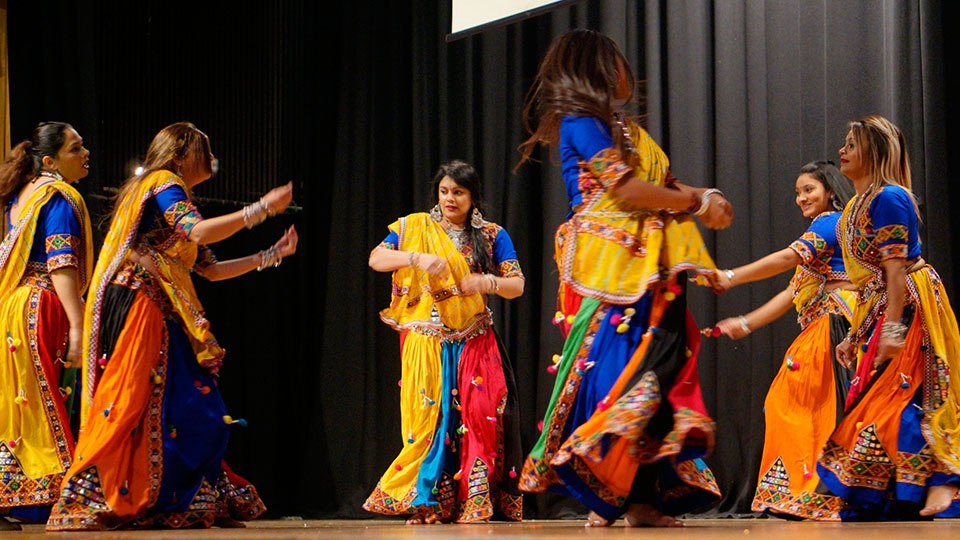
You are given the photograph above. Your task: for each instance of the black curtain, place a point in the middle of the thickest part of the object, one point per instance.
(358, 102)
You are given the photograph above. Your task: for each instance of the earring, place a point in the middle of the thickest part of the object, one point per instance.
(835, 202)
(476, 219)
(435, 213)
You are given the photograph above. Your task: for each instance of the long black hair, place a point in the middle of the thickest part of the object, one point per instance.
(840, 187)
(26, 159)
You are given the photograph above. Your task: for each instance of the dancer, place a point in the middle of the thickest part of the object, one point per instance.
(626, 423)
(458, 407)
(154, 426)
(894, 455)
(45, 261)
(805, 400)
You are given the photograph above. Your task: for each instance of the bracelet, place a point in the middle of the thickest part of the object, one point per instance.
(894, 330)
(269, 257)
(705, 201)
(730, 274)
(743, 323)
(413, 259)
(255, 213)
(694, 203)
(494, 282)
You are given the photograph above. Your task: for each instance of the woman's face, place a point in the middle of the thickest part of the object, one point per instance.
(455, 201)
(812, 197)
(196, 168)
(853, 158)
(72, 160)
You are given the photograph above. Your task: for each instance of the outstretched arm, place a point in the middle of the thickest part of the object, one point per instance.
(740, 326)
(762, 268)
(681, 197)
(215, 229)
(220, 270)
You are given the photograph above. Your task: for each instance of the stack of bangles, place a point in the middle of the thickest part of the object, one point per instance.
(255, 213)
(894, 330)
(270, 257)
(494, 284)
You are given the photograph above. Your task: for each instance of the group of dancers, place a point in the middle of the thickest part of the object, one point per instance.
(111, 417)
(861, 419)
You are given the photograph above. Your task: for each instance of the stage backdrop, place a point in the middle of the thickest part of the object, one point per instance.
(357, 102)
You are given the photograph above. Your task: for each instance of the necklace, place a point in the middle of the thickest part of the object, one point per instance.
(49, 174)
(457, 235)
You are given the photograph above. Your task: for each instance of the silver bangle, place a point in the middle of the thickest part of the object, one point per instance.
(705, 201)
(743, 324)
(894, 330)
(255, 213)
(269, 257)
(493, 281)
(730, 274)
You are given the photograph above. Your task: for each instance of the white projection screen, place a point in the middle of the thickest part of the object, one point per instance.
(474, 16)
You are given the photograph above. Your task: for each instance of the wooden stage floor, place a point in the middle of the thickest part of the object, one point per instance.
(696, 529)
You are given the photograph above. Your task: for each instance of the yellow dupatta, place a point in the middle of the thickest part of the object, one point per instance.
(635, 249)
(173, 263)
(16, 246)
(868, 279)
(416, 294)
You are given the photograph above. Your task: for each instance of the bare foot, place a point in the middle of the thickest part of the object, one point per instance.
(423, 519)
(938, 499)
(229, 523)
(596, 520)
(644, 515)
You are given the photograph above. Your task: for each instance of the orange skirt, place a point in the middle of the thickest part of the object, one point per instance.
(801, 411)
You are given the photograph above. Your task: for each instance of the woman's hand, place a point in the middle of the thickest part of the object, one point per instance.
(74, 345)
(887, 349)
(434, 265)
(476, 283)
(279, 198)
(719, 212)
(846, 354)
(719, 281)
(733, 328)
(287, 245)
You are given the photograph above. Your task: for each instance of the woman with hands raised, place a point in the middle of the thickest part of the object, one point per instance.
(154, 428)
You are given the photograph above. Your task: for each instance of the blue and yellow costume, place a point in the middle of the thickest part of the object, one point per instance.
(899, 433)
(154, 427)
(459, 415)
(626, 422)
(805, 400)
(37, 437)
